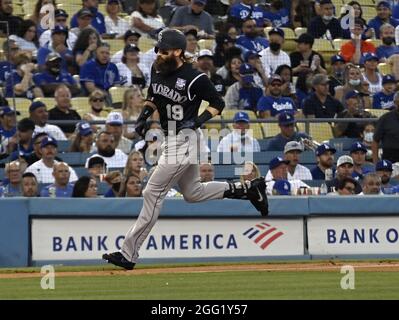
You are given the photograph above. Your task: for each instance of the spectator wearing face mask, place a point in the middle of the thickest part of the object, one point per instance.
(337, 75)
(384, 98)
(384, 15)
(250, 39)
(388, 46)
(325, 25)
(367, 135)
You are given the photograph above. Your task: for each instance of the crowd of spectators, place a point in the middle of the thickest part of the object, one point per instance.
(249, 61)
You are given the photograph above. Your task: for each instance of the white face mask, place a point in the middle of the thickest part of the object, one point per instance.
(354, 82)
(328, 18)
(356, 37)
(368, 136)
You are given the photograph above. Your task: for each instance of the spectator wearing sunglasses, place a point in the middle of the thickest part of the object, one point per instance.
(97, 103)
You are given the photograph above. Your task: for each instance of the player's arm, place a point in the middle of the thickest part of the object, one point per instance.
(148, 109)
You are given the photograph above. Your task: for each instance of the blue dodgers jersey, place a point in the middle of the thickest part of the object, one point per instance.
(254, 44)
(248, 98)
(43, 52)
(5, 70)
(242, 11)
(276, 105)
(14, 79)
(98, 22)
(103, 76)
(59, 192)
(279, 19)
(43, 78)
(382, 101)
(386, 51)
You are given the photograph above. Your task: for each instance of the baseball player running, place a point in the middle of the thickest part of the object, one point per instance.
(176, 91)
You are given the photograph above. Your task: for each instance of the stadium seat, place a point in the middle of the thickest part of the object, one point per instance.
(323, 45)
(146, 44)
(385, 68)
(270, 129)
(342, 144)
(338, 43)
(49, 102)
(320, 132)
(116, 45)
(64, 145)
(81, 105)
(22, 105)
(289, 34)
(206, 44)
(74, 158)
(377, 112)
(81, 171)
(117, 94)
(375, 42)
(299, 31)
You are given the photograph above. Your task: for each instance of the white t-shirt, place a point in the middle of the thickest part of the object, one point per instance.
(126, 74)
(25, 45)
(301, 173)
(153, 22)
(234, 141)
(271, 61)
(44, 174)
(46, 38)
(120, 27)
(374, 87)
(52, 130)
(118, 160)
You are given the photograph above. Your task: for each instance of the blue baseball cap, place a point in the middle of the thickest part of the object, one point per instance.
(278, 31)
(48, 141)
(352, 94)
(6, 111)
(36, 105)
(59, 29)
(388, 79)
(285, 118)
(321, 149)
(283, 187)
(384, 3)
(241, 117)
(384, 165)
(275, 162)
(247, 73)
(203, 2)
(250, 54)
(369, 56)
(84, 128)
(358, 146)
(337, 58)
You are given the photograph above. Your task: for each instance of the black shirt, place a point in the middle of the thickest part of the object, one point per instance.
(296, 59)
(334, 82)
(313, 106)
(387, 130)
(14, 23)
(57, 114)
(318, 28)
(218, 82)
(178, 96)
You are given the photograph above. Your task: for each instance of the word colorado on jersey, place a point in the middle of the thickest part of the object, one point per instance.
(168, 93)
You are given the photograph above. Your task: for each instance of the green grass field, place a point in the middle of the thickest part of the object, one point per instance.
(206, 285)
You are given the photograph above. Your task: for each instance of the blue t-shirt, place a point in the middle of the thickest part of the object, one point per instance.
(7, 133)
(318, 174)
(241, 11)
(279, 19)
(5, 70)
(386, 51)
(59, 192)
(276, 105)
(43, 52)
(254, 44)
(98, 21)
(382, 101)
(43, 78)
(22, 152)
(14, 79)
(249, 97)
(103, 76)
(376, 23)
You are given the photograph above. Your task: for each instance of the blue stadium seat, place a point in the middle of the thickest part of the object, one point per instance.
(264, 144)
(64, 145)
(342, 144)
(102, 188)
(81, 171)
(74, 158)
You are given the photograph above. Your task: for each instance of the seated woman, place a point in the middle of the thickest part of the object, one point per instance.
(130, 70)
(250, 171)
(85, 187)
(26, 37)
(146, 20)
(132, 187)
(114, 24)
(133, 102)
(85, 46)
(192, 48)
(83, 139)
(97, 103)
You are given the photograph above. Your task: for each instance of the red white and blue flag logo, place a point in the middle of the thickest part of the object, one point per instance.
(263, 234)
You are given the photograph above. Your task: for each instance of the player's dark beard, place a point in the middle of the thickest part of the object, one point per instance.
(106, 152)
(165, 65)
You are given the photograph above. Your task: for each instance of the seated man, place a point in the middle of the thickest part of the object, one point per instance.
(358, 153)
(325, 25)
(61, 188)
(205, 64)
(345, 187)
(250, 39)
(30, 187)
(325, 163)
(99, 73)
(286, 122)
(244, 94)
(10, 49)
(384, 98)
(98, 21)
(207, 172)
(239, 140)
(114, 125)
(371, 185)
(25, 129)
(384, 15)
(384, 170)
(8, 128)
(63, 109)
(273, 104)
(388, 47)
(344, 170)
(13, 174)
(130, 37)
(53, 75)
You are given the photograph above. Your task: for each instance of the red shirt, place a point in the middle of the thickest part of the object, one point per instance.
(348, 49)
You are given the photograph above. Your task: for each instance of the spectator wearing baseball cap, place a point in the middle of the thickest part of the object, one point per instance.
(98, 20)
(273, 56)
(83, 139)
(114, 125)
(320, 104)
(273, 103)
(8, 123)
(129, 37)
(106, 148)
(286, 122)
(131, 71)
(84, 18)
(253, 58)
(384, 15)
(384, 170)
(371, 74)
(239, 11)
(337, 75)
(195, 15)
(192, 43)
(325, 161)
(388, 47)
(43, 168)
(25, 129)
(239, 140)
(250, 40)
(115, 25)
(278, 170)
(384, 98)
(278, 16)
(205, 64)
(244, 94)
(96, 167)
(358, 152)
(325, 24)
(292, 152)
(305, 59)
(353, 110)
(344, 170)
(353, 50)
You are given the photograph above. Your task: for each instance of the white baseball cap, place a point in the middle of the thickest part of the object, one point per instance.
(293, 145)
(205, 53)
(114, 118)
(344, 159)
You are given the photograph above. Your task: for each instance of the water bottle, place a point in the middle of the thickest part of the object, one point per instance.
(323, 189)
(329, 174)
(51, 191)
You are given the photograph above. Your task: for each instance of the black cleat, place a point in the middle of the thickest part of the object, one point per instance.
(119, 260)
(257, 195)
